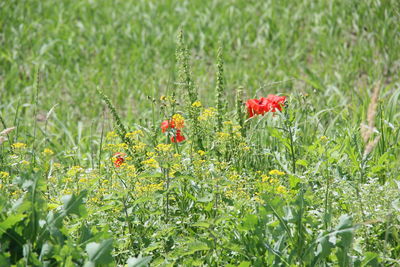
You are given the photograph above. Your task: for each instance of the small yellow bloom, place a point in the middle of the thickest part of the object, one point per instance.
(151, 162)
(276, 172)
(83, 180)
(197, 104)
(207, 114)
(265, 178)
(18, 146)
(222, 135)
(24, 162)
(164, 148)
(4, 175)
(323, 138)
(281, 189)
(201, 152)
(48, 152)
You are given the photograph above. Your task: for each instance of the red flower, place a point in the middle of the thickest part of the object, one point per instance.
(178, 138)
(265, 104)
(167, 124)
(176, 123)
(118, 159)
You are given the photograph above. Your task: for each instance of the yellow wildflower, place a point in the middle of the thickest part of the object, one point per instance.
(151, 162)
(164, 148)
(281, 189)
(207, 114)
(18, 146)
(47, 152)
(276, 172)
(4, 175)
(197, 104)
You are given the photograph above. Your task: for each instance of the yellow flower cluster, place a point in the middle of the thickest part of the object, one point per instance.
(267, 179)
(48, 152)
(147, 188)
(197, 104)
(4, 175)
(139, 146)
(178, 121)
(151, 163)
(276, 172)
(222, 135)
(281, 189)
(164, 148)
(18, 146)
(83, 180)
(116, 147)
(207, 114)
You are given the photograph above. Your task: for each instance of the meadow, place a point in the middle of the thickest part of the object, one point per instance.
(200, 133)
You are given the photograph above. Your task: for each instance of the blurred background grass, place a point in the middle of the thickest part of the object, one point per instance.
(334, 51)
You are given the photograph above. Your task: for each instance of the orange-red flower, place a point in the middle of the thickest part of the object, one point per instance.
(177, 124)
(118, 159)
(178, 137)
(271, 103)
(167, 124)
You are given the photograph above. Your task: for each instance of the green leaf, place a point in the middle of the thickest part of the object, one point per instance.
(249, 222)
(302, 162)
(370, 259)
(139, 261)
(73, 204)
(11, 221)
(244, 264)
(99, 253)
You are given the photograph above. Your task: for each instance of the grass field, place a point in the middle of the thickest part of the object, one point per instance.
(88, 176)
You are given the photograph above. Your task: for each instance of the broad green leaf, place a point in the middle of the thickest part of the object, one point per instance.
(11, 221)
(139, 261)
(99, 253)
(244, 264)
(73, 204)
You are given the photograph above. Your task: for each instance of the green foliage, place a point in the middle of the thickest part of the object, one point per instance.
(297, 187)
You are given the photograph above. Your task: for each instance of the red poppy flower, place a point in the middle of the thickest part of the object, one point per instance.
(265, 104)
(167, 124)
(178, 137)
(276, 102)
(176, 123)
(118, 159)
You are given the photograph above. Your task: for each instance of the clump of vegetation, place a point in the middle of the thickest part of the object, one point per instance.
(291, 175)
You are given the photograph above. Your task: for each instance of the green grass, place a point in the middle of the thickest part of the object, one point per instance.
(334, 52)
(326, 56)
